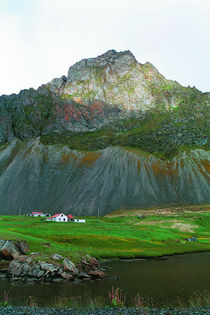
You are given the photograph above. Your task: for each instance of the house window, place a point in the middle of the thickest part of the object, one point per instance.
(64, 219)
(59, 219)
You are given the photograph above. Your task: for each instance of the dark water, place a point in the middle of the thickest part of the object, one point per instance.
(162, 281)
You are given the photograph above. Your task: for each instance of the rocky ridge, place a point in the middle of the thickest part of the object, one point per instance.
(110, 91)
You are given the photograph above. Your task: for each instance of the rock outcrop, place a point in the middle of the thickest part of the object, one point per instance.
(97, 93)
(12, 249)
(30, 267)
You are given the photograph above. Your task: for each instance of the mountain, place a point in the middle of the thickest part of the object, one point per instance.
(112, 134)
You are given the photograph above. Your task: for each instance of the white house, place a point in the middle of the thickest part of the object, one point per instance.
(60, 217)
(37, 214)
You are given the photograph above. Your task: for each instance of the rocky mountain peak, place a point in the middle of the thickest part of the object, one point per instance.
(83, 69)
(111, 90)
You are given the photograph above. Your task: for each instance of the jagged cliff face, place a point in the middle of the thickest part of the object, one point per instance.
(112, 134)
(52, 178)
(98, 92)
(114, 78)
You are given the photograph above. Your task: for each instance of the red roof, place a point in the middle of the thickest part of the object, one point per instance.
(35, 212)
(55, 215)
(70, 216)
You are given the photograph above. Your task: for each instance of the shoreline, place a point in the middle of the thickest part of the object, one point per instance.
(5, 263)
(20, 310)
(159, 257)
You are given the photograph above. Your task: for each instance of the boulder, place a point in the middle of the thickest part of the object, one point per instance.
(15, 268)
(9, 249)
(60, 271)
(21, 258)
(29, 260)
(23, 247)
(56, 257)
(83, 275)
(49, 267)
(92, 261)
(70, 266)
(96, 274)
(67, 276)
(25, 269)
(88, 263)
(38, 273)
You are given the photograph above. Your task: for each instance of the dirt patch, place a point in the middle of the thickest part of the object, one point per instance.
(166, 211)
(152, 222)
(184, 227)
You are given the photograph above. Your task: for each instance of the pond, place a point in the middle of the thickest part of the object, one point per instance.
(160, 281)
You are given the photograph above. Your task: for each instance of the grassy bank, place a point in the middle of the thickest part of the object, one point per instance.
(118, 235)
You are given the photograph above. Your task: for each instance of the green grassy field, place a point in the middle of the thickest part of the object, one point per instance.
(120, 234)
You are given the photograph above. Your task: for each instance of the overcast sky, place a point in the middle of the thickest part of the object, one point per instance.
(40, 39)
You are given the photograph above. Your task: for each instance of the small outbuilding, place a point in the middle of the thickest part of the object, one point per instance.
(79, 220)
(70, 217)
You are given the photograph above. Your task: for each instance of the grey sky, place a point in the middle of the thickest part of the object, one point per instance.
(40, 39)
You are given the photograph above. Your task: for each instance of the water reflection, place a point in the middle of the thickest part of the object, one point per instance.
(163, 281)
